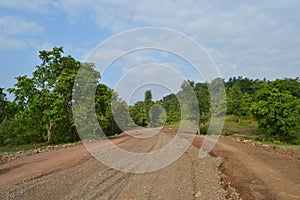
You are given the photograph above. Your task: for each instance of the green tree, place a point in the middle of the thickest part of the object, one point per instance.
(45, 99)
(147, 105)
(246, 104)
(148, 98)
(171, 105)
(235, 101)
(85, 100)
(203, 98)
(26, 125)
(103, 98)
(288, 84)
(157, 115)
(3, 103)
(137, 113)
(140, 111)
(278, 113)
(217, 97)
(244, 84)
(3, 112)
(121, 117)
(188, 101)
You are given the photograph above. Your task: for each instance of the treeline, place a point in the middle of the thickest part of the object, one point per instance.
(274, 104)
(42, 110)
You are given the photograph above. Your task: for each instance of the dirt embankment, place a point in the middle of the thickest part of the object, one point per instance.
(258, 172)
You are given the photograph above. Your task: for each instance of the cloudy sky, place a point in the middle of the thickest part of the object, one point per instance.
(250, 38)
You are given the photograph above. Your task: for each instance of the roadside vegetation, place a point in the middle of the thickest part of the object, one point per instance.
(246, 129)
(41, 112)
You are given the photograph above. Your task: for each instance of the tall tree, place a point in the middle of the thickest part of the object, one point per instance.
(55, 78)
(3, 102)
(137, 113)
(84, 100)
(188, 101)
(47, 95)
(203, 98)
(234, 101)
(148, 97)
(147, 105)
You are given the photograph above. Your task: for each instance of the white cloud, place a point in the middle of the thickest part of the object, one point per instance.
(163, 77)
(249, 34)
(11, 25)
(37, 6)
(16, 32)
(7, 43)
(249, 38)
(165, 47)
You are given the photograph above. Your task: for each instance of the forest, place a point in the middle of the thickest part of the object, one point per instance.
(41, 111)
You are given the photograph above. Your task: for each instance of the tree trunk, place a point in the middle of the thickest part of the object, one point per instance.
(95, 128)
(70, 125)
(49, 132)
(71, 133)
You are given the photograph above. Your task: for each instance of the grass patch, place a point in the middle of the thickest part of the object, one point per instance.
(243, 137)
(14, 149)
(174, 126)
(291, 147)
(245, 129)
(282, 145)
(239, 126)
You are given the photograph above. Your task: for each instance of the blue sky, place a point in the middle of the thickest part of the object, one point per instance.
(255, 39)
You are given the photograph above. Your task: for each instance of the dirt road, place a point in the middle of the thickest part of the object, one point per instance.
(72, 173)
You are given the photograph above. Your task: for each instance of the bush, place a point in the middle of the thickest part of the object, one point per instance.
(203, 129)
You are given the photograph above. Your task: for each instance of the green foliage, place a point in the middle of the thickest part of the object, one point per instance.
(84, 100)
(147, 105)
(121, 117)
(157, 115)
(288, 84)
(245, 85)
(278, 113)
(137, 113)
(235, 101)
(239, 126)
(148, 98)
(203, 129)
(172, 107)
(273, 103)
(217, 97)
(188, 102)
(43, 102)
(203, 97)
(140, 111)
(103, 98)
(3, 104)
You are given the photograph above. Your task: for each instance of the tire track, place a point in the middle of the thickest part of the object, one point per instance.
(94, 180)
(118, 180)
